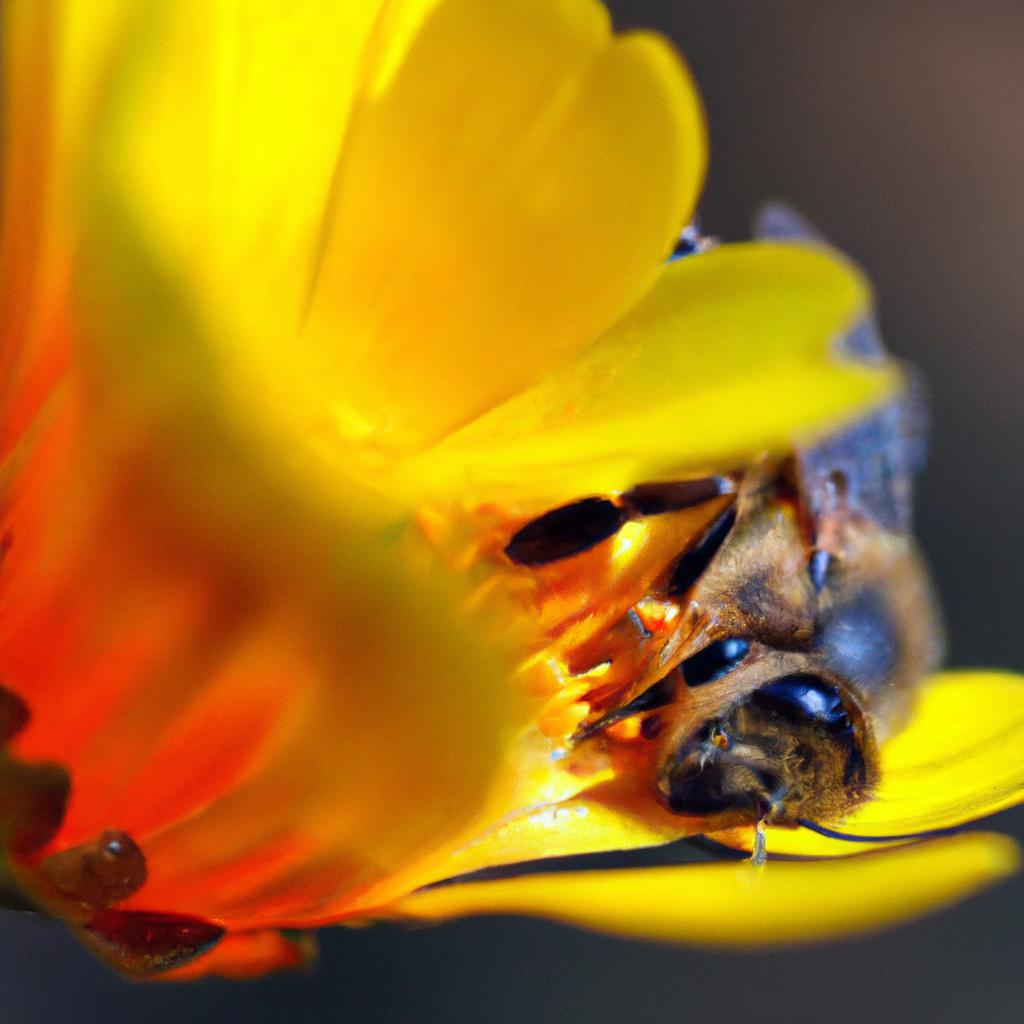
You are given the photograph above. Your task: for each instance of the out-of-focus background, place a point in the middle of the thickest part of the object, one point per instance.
(897, 128)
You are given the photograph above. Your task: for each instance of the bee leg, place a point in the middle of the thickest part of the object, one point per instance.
(759, 854)
(657, 696)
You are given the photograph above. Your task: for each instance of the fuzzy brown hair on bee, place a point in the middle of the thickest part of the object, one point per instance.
(833, 616)
(789, 751)
(803, 623)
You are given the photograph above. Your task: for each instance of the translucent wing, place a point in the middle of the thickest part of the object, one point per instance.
(877, 457)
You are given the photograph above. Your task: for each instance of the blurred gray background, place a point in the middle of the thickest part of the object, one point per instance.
(898, 128)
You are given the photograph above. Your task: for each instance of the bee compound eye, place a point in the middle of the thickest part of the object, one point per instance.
(716, 660)
(697, 790)
(805, 696)
(565, 531)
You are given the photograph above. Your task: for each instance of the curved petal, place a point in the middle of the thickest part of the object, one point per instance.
(201, 632)
(447, 196)
(574, 826)
(729, 355)
(507, 190)
(959, 759)
(257, 716)
(244, 955)
(54, 56)
(729, 904)
(223, 123)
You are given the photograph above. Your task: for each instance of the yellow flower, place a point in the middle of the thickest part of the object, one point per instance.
(303, 308)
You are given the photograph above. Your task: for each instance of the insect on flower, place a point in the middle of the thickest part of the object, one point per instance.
(768, 657)
(380, 501)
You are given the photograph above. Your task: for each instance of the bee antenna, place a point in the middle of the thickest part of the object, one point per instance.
(932, 833)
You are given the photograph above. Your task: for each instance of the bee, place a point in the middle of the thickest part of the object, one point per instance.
(776, 634)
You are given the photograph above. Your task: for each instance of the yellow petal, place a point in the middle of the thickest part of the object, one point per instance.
(574, 826)
(730, 904)
(960, 758)
(203, 634)
(729, 355)
(220, 137)
(509, 186)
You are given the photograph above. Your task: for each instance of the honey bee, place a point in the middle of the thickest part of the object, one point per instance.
(806, 621)
(761, 664)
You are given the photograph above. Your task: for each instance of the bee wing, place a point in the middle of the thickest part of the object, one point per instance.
(879, 455)
(878, 458)
(779, 222)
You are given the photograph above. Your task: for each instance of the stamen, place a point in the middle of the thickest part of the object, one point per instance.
(656, 499)
(566, 531)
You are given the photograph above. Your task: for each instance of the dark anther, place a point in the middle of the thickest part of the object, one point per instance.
(97, 874)
(654, 499)
(716, 660)
(656, 696)
(143, 942)
(13, 714)
(818, 567)
(565, 531)
(692, 564)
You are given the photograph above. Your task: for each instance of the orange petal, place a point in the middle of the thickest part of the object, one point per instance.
(244, 955)
(53, 57)
(214, 701)
(212, 643)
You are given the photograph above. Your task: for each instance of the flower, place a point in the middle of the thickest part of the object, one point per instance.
(304, 306)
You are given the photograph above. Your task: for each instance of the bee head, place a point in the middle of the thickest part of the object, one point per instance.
(789, 750)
